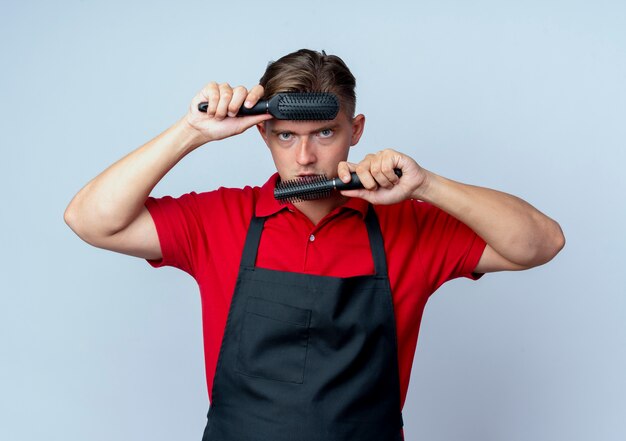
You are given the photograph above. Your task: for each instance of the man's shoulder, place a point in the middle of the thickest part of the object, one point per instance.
(226, 198)
(409, 214)
(404, 208)
(246, 193)
(234, 192)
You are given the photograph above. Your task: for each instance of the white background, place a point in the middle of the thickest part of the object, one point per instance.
(528, 97)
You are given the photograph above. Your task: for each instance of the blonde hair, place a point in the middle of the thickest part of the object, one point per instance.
(311, 71)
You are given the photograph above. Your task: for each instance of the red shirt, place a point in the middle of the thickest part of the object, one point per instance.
(203, 234)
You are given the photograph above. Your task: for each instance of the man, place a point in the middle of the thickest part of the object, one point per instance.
(311, 310)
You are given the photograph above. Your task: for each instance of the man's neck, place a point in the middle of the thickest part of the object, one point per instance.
(319, 209)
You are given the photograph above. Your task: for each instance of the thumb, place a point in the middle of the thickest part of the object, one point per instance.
(360, 193)
(252, 120)
(344, 169)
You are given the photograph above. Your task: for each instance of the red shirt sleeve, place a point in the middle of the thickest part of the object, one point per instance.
(450, 249)
(195, 226)
(179, 226)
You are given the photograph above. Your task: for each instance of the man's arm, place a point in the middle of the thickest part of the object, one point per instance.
(518, 235)
(109, 211)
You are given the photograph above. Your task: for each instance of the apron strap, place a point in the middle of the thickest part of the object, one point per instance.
(376, 242)
(251, 246)
(248, 257)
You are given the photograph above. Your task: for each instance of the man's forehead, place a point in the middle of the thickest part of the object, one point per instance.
(287, 125)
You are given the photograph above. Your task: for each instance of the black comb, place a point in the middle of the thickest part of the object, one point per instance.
(293, 105)
(316, 187)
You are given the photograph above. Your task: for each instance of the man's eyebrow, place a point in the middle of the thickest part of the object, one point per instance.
(318, 129)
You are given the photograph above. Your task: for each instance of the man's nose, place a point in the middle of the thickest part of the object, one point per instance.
(305, 154)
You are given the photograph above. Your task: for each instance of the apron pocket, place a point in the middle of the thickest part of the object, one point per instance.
(273, 341)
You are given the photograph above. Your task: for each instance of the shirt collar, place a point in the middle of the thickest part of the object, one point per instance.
(267, 205)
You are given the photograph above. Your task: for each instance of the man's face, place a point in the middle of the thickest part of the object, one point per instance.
(302, 148)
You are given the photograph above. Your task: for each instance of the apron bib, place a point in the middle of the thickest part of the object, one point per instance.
(306, 357)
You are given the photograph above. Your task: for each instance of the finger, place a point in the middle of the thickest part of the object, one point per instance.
(254, 95)
(239, 94)
(363, 170)
(226, 94)
(196, 100)
(389, 163)
(362, 194)
(378, 174)
(211, 94)
(344, 169)
(249, 121)
(390, 174)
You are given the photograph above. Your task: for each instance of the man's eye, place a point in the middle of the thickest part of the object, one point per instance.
(285, 136)
(326, 133)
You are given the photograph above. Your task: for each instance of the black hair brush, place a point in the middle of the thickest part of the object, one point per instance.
(316, 187)
(293, 106)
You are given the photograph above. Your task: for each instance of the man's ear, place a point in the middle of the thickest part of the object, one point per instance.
(358, 124)
(263, 131)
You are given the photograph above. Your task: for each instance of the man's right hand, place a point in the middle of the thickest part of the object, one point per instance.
(110, 213)
(219, 121)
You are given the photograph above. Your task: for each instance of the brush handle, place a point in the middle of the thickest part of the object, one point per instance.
(259, 108)
(317, 187)
(293, 106)
(355, 182)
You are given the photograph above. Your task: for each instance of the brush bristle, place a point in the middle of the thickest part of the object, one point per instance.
(308, 106)
(303, 189)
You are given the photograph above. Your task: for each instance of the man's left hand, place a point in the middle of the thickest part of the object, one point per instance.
(382, 185)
